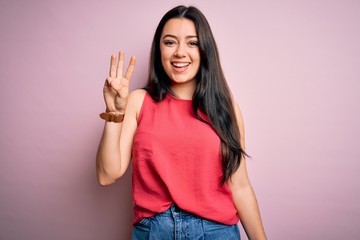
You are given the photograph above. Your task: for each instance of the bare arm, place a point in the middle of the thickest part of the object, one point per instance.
(114, 152)
(244, 196)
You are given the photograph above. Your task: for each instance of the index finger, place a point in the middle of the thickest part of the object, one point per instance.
(130, 68)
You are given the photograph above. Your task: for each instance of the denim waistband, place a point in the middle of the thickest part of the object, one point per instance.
(177, 224)
(174, 210)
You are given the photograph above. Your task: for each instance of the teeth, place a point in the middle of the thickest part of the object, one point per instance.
(180, 64)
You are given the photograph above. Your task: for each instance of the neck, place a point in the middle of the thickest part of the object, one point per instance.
(184, 90)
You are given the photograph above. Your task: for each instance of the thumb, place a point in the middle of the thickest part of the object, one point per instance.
(115, 86)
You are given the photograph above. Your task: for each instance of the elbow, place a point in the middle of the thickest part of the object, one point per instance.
(106, 178)
(105, 181)
(105, 175)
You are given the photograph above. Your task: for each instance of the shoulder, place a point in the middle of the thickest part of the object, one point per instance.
(238, 113)
(240, 122)
(135, 101)
(138, 94)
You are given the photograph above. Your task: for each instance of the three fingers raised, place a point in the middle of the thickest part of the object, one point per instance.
(116, 71)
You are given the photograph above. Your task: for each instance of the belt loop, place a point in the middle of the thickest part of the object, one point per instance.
(173, 210)
(172, 207)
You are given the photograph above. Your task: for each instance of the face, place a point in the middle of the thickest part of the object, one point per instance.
(179, 49)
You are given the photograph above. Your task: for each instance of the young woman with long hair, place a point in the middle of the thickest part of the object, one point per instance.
(185, 136)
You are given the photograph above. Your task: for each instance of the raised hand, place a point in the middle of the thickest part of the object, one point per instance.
(116, 87)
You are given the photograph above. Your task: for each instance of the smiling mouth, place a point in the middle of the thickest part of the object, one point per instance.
(180, 65)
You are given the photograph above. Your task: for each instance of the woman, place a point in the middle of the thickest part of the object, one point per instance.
(185, 135)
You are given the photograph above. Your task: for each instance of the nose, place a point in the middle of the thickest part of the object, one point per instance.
(180, 51)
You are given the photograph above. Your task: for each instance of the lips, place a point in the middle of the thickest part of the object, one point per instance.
(180, 66)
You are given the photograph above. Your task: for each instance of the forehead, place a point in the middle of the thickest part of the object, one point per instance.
(179, 27)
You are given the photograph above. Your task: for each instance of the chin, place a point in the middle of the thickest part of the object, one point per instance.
(181, 79)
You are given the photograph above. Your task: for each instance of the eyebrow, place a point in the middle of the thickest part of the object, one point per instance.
(173, 36)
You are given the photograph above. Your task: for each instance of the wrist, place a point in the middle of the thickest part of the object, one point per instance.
(116, 112)
(112, 116)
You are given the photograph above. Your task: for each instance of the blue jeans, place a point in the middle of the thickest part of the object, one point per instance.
(175, 224)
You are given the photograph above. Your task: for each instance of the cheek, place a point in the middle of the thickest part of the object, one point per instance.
(197, 59)
(165, 56)
(196, 55)
(165, 64)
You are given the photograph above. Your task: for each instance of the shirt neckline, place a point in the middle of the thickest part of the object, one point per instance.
(178, 99)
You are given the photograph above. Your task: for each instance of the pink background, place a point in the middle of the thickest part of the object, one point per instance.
(293, 67)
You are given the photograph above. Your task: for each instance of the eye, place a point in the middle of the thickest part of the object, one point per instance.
(194, 43)
(169, 42)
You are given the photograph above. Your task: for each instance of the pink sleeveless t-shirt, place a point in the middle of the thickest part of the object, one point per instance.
(177, 159)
